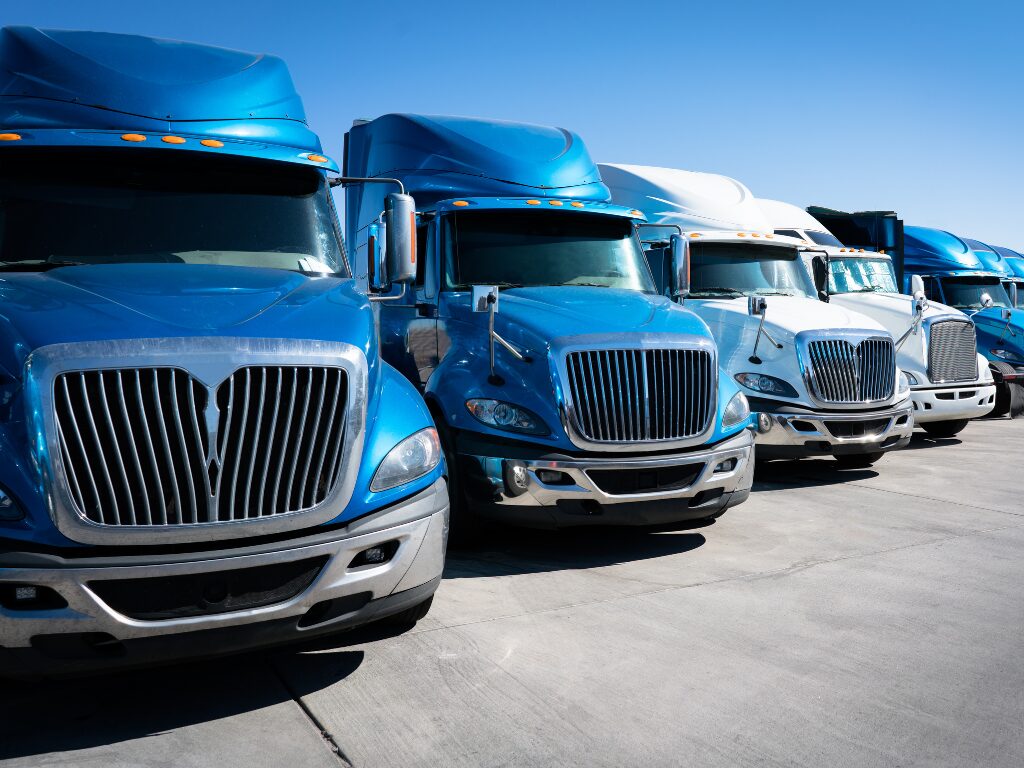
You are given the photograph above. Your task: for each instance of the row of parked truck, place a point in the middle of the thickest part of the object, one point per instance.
(231, 419)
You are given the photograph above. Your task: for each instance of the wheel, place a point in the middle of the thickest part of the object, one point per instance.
(944, 428)
(858, 460)
(409, 616)
(1009, 396)
(464, 527)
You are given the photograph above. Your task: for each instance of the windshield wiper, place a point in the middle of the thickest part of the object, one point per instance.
(36, 266)
(774, 293)
(715, 290)
(589, 285)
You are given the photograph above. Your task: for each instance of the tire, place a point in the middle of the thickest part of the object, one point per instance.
(464, 527)
(409, 616)
(944, 428)
(1009, 396)
(858, 460)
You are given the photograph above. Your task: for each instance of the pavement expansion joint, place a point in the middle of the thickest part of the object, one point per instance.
(328, 738)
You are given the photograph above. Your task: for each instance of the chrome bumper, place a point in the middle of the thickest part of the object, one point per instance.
(799, 433)
(418, 525)
(514, 491)
(966, 401)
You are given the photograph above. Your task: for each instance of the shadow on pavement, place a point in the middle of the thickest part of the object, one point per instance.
(776, 475)
(923, 440)
(509, 551)
(63, 715)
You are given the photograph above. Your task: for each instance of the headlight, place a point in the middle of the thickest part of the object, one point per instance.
(903, 385)
(413, 457)
(1008, 355)
(501, 415)
(911, 378)
(736, 411)
(769, 385)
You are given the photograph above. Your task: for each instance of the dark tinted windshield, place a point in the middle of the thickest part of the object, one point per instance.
(136, 205)
(533, 248)
(735, 269)
(861, 275)
(966, 292)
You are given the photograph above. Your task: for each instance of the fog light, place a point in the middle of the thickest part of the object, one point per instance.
(517, 478)
(24, 594)
(726, 466)
(375, 555)
(551, 476)
(764, 423)
(8, 509)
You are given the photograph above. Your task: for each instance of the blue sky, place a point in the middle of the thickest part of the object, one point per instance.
(912, 106)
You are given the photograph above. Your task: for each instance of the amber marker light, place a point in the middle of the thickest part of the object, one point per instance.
(316, 158)
(741, 234)
(133, 137)
(555, 202)
(576, 204)
(635, 212)
(533, 202)
(212, 143)
(754, 234)
(172, 140)
(695, 234)
(770, 237)
(10, 137)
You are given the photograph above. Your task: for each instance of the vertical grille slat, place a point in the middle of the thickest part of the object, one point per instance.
(137, 450)
(952, 352)
(846, 372)
(633, 395)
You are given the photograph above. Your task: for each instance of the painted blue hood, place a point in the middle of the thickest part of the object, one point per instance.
(934, 251)
(118, 301)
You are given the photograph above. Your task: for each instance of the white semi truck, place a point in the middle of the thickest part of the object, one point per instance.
(823, 378)
(950, 383)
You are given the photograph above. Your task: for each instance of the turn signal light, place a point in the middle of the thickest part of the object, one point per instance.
(316, 158)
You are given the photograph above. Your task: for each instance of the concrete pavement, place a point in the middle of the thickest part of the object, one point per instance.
(860, 618)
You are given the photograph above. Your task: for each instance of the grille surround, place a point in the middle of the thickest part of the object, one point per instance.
(952, 350)
(628, 434)
(210, 362)
(833, 367)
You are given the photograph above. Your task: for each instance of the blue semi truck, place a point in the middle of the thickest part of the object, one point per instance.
(567, 391)
(203, 450)
(1000, 261)
(953, 274)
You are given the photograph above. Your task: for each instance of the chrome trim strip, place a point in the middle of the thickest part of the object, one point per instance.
(210, 361)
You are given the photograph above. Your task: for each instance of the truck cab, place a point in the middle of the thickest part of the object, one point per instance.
(823, 378)
(204, 450)
(998, 260)
(1014, 261)
(950, 383)
(567, 390)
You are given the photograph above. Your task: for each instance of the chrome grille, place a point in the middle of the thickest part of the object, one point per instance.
(846, 372)
(154, 447)
(637, 395)
(952, 351)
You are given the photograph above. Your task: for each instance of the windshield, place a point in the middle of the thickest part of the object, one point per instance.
(966, 292)
(858, 275)
(534, 248)
(97, 207)
(736, 269)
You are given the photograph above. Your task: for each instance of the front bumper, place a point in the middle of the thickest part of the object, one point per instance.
(964, 401)
(798, 433)
(610, 491)
(89, 633)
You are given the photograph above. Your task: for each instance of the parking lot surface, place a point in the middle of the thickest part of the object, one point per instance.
(858, 618)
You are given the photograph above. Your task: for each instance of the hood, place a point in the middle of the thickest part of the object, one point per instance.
(122, 301)
(538, 316)
(786, 315)
(991, 321)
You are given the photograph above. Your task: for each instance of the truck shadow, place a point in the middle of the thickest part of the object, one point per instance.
(778, 475)
(55, 716)
(511, 551)
(921, 440)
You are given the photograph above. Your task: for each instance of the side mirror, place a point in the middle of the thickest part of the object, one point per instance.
(1013, 295)
(986, 301)
(819, 271)
(484, 296)
(679, 247)
(920, 299)
(756, 305)
(376, 269)
(400, 233)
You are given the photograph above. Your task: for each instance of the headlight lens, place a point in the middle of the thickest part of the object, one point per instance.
(911, 378)
(502, 415)
(1008, 355)
(736, 411)
(769, 385)
(903, 386)
(413, 457)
